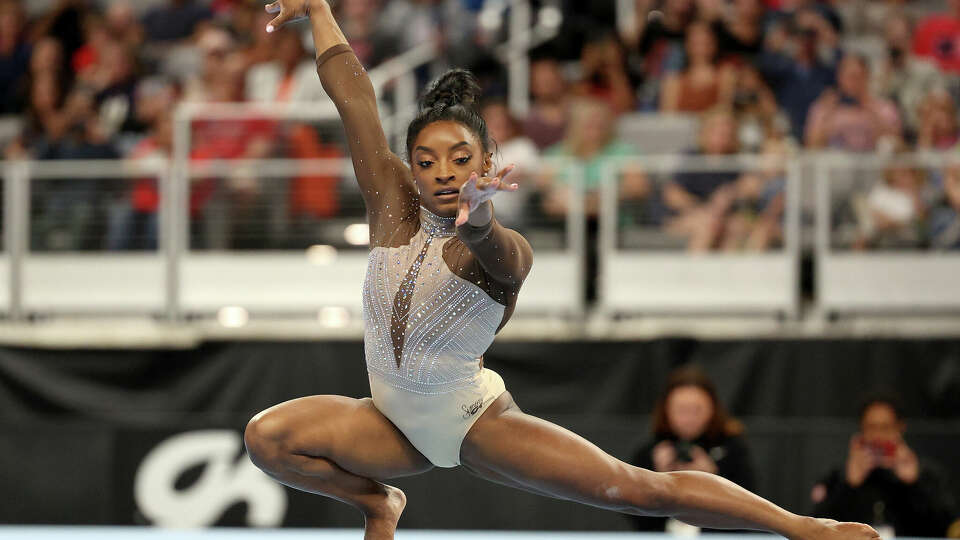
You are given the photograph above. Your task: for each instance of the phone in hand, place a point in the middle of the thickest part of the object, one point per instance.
(883, 449)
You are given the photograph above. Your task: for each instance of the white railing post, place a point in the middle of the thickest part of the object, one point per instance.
(16, 197)
(577, 230)
(794, 178)
(175, 211)
(519, 61)
(821, 176)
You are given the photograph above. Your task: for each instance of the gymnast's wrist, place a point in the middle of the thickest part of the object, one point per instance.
(482, 216)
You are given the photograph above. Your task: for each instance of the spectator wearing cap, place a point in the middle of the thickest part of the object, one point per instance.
(884, 483)
(798, 61)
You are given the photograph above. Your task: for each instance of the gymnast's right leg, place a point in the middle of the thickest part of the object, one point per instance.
(338, 447)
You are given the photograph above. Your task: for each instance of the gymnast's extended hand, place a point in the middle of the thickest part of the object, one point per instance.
(290, 10)
(478, 190)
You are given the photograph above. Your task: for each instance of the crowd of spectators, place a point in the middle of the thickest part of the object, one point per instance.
(100, 78)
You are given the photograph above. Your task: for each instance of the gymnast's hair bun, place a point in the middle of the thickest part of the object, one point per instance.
(455, 87)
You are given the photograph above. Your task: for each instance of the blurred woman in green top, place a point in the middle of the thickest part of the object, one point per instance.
(590, 141)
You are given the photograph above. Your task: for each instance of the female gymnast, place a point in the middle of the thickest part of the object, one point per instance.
(442, 279)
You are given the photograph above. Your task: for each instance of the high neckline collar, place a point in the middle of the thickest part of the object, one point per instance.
(435, 225)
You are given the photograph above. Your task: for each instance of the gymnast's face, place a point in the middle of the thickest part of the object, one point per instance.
(689, 410)
(445, 154)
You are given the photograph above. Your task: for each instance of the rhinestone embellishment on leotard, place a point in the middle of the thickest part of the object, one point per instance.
(426, 327)
(437, 226)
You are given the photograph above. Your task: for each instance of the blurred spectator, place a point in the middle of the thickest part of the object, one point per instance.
(739, 29)
(14, 57)
(590, 141)
(755, 219)
(756, 109)
(110, 73)
(68, 211)
(692, 431)
(364, 30)
(44, 98)
(290, 76)
(176, 20)
(890, 215)
(122, 24)
(604, 75)
(259, 46)
(704, 83)
(938, 37)
(657, 43)
(408, 23)
(511, 147)
(884, 483)
(868, 17)
(944, 225)
(660, 33)
(798, 62)
(546, 123)
(903, 77)
(65, 24)
(220, 78)
(698, 202)
(851, 117)
(133, 220)
(937, 117)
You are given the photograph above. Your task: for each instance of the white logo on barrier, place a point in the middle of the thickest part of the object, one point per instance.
(225, 481)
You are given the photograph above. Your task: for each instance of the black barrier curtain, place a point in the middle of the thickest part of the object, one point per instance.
(154, 436)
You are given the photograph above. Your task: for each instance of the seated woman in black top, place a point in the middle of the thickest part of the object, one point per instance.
(693, 432)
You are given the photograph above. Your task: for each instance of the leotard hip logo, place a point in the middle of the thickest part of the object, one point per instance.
(472, 409)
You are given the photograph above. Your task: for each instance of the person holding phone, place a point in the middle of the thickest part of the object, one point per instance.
(692, 431)
(883, 481)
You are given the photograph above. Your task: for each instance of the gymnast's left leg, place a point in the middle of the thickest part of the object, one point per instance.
(507, 446)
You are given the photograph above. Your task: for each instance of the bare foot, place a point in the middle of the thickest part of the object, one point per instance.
(828, 529)
(381, 522)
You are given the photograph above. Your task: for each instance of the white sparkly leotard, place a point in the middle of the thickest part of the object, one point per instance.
(434, 295)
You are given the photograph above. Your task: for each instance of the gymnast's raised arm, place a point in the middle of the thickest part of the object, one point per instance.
(382, 175)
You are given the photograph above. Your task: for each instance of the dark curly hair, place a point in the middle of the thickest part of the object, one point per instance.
(454, 97)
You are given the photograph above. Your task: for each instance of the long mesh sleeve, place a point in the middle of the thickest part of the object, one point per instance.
(385, 180)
